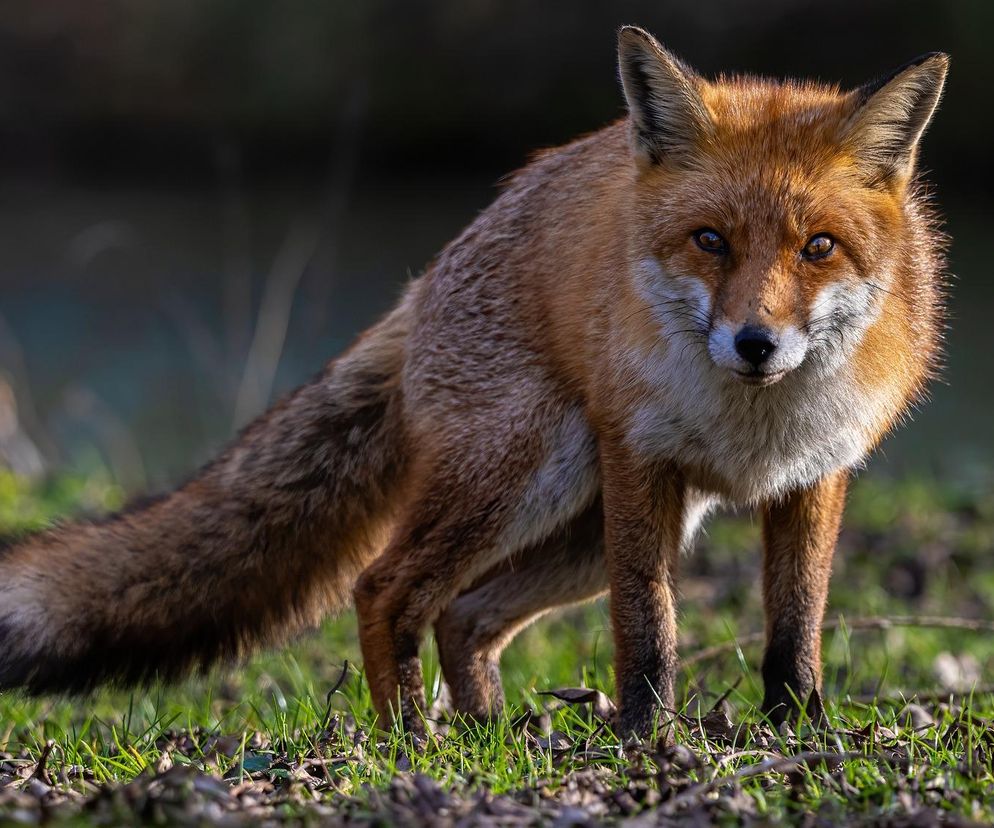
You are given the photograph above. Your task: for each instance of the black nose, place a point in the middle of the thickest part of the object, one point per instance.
(755, 345)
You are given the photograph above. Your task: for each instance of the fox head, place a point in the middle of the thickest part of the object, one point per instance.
(771, 219)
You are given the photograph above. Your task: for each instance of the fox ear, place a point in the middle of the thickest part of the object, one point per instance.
(667, 113)
(892, 114)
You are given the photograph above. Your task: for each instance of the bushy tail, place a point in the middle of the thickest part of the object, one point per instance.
(263, 542)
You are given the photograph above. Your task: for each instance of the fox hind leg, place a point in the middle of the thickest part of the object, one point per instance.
(458, 530)
(485, 490)
(566, 568)
(399, 594)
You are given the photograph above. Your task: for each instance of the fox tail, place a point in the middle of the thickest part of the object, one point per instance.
(263, 542)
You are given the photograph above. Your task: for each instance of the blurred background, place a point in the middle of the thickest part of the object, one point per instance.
(201, 202)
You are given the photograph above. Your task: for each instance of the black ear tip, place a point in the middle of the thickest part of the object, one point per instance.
(629, 31)
(931, 57)
(938, 61)
(935, 65)
(634, 37)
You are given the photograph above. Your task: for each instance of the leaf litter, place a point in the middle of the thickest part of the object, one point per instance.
(700, 779)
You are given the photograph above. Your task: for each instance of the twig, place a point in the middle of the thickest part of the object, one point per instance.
(928, 697)
(855, 624)
(13, 361)
(782, 764)
(297, 254)
(236, 236)
(41, 769)
(334, 689)
(113, 435)
(274, 320)
(727, 759)
(724, 696)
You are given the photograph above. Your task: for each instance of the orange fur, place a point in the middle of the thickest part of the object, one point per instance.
(552, 409)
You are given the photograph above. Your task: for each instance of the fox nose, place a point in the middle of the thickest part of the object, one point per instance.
(755, 344)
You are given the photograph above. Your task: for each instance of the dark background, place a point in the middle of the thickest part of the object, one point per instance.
(202, 201)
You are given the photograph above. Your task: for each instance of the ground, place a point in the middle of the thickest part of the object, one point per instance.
(290, 737)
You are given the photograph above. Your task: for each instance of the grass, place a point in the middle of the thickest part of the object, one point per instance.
(265, 740)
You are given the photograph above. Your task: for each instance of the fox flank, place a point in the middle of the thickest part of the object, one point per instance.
(727, 297)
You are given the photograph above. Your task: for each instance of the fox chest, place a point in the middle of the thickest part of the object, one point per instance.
(752, 444)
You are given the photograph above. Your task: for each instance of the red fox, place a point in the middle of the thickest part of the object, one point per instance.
(727, 297)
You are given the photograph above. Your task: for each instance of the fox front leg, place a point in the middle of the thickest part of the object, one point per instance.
(799, 535)
(643, 520)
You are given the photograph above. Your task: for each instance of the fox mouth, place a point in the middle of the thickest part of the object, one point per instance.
(760, 378)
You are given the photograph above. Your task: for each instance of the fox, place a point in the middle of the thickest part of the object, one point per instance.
(727, 297)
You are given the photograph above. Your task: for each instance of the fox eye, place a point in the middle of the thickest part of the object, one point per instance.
(710, 240)
(818, 246)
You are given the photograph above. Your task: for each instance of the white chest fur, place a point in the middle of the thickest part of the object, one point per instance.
(756, 442)
(752, 443)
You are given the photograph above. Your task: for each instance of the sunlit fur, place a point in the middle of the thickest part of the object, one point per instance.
(550, 411)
